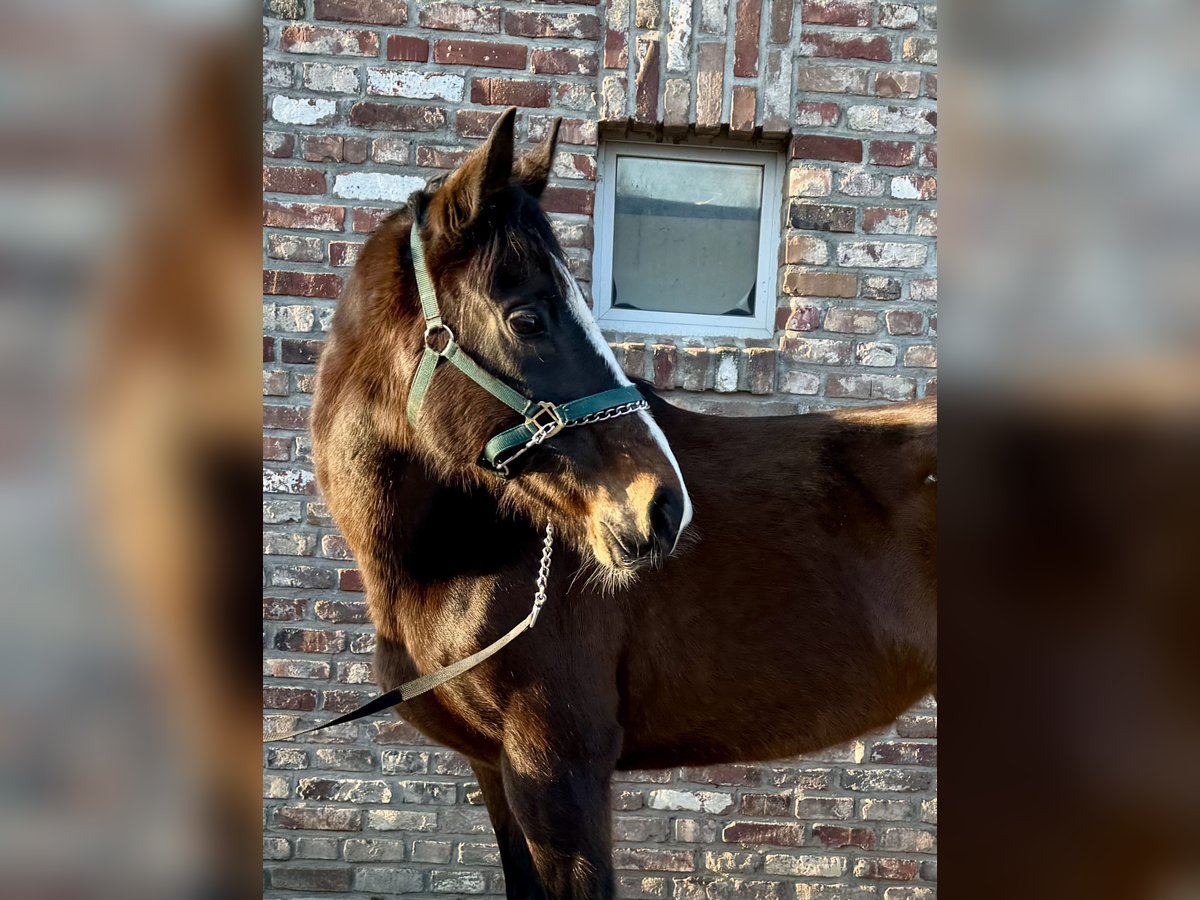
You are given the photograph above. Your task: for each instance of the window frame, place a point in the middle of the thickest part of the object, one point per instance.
(674, 324)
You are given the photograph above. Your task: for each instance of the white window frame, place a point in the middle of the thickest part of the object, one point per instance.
(657, 322)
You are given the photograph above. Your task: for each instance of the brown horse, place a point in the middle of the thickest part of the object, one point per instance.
(797, 611)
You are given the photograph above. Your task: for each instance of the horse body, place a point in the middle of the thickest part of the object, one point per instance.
(796, 612)
(799, 615)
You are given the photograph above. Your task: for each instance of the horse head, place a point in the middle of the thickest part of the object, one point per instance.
(507, 302)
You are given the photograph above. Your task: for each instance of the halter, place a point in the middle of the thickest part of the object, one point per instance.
(543, 419)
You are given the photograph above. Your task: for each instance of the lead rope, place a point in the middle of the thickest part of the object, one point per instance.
(438, 677)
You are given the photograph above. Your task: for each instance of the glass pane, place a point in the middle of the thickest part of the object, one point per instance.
(685, 236)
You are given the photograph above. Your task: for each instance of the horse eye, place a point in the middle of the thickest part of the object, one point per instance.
(525, 324)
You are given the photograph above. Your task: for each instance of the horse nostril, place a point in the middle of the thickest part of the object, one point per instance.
(666, 515)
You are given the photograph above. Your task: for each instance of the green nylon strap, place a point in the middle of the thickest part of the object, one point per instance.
(429, 304)
(421, 381)
(498, 447)
(494, 386)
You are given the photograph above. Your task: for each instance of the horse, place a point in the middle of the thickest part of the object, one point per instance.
(721, 590)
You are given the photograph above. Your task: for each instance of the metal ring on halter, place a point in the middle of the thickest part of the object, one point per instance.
(434, 329)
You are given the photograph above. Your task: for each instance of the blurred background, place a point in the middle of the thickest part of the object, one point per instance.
(129, 421)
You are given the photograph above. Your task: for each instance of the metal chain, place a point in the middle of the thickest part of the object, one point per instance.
(539, 597)
(605, 414)
(552, 428)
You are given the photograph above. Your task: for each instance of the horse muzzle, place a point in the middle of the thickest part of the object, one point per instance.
(645, 538)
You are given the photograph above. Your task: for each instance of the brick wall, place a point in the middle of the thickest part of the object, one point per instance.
(364, 100)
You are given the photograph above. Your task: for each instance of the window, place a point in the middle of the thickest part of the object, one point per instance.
(687, 240)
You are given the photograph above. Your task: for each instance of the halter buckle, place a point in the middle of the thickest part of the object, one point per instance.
(546, 422)
(431, 330)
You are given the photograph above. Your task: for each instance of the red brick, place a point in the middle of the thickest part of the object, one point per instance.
(904, 321)
(278, 609)
(892, 153)
(616, 49)
(475, 123)
(652, 859)
(442, 157)
(568, 200)
(293, 180)
(278, 145)
(404, 48)
(905, 752)
(583, 26)
(289, 698)
(748, 15)
(395, 733)
(929, 155)
(748, 776)
(564, 62)
(762, 833)
(277, 449)
(580, 132)
(350, 580)
(781, 21)
(811, 114)
(310, 640)
(765, 805)
(305, 352)
(302, 284)
(841, 46)
(647, 85)
(821, 217)
(824, 808)
(371, 12)
(885, 220)
(329, 41)
(853, 13)
(802, 318)
(343, 253)
(885, 868)
(663, 359)
(268, 349)
(303, 215)
(480, 53)
(341, 702)
(342, 612)
(461, 17)
(820, 284)
(321, 147)
(904, 85)
(831, 79)
(745, 99)
(319, 818)
(710, 79)
(354, 150)
(914, 725)
(509, 92)
(841, 836)
(367, 114)
(367, 219)
(815, 146)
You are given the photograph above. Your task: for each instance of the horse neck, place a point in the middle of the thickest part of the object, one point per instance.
(437, 531)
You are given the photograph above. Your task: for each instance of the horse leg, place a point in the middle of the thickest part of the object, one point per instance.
(520, 877)
(563, 807)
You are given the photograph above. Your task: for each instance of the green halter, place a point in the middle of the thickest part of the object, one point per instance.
(543, 420)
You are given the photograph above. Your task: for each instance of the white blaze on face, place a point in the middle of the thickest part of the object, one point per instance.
(580, 312)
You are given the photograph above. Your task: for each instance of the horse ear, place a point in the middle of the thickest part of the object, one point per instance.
(533, 170)
(485, 171)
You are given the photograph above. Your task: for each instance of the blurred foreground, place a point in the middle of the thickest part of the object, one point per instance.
(129, 241)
